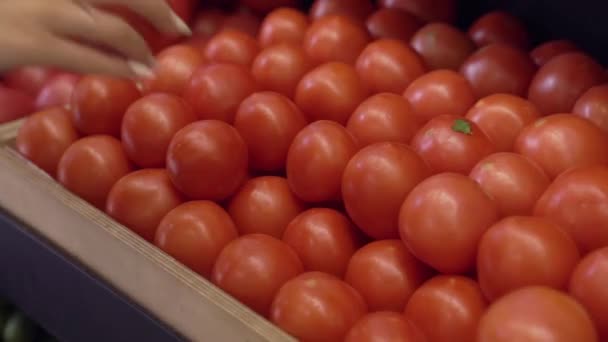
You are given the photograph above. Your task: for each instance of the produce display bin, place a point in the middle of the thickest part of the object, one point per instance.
(86, 278)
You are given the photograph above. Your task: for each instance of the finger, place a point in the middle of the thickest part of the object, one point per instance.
(158, 12)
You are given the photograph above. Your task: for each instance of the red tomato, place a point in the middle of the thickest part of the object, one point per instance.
(208, 22)
(264, 205)
(160, 113)
(427, 10)
(331, 91)
(383, 117)
(536, 313)
(389, 65)
(563, 141)
(280, 68)
(264, 6)
(356, 9)
(14, 104)
(450, 143)
(588, 286)
(593, 106)
(195, 233)
(440, 92)
(499, 27)
(29, 79)
(317, 307)
(442, 220)
(100, 102)
(375, 183)
(316, 161)
(385, 274)
(502, 117)
(215, 91)
(260, 261)
(232, 46)
(522, 251)
(141, 199)
(174, 67)
(447, 308)
(442, 46)
(207, 160)
(268, 122)
(91, 166)
(576, 201)
(283, 25)
(384, 326)
(57, 91)
(392, 23)
(546, 51)
(44, 137)
(499, 68)
(512, 180)
(562, 80)
(324, 239)
(335, 38)
(243, 21)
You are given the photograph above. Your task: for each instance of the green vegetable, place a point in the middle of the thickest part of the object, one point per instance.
(462, 126)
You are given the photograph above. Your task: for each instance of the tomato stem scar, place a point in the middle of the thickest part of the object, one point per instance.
(462, 126)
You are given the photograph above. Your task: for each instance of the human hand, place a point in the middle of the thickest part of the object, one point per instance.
(76, 36)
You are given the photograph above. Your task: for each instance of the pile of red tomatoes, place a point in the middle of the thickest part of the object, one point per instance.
(359, 172)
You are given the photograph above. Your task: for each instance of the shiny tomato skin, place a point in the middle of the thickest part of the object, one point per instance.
(438, 93)
(262, 262)
(173, 69)
(536, 312)
(427, 10)
(100, 102)
(268, 122)
(562, 80)
(29, 79)
(316, 161)
(375, 183)
(502, 117)
(335, 38)
(355, 9)
(324, 239)
(593, 106)
(97, 157)
(447, 308)
(264, 205)
(442, 46)
(44, 137)
(141, 199)
(512, 180)
(207, 160)
(499, 27)
(280, 68)
(161, 113)
(576, 201)
(194, 233)
(14, 104)
(384, 326)
(331, 91)
(231, 46)
(392, 23)
(383, 117)
(386, 274)
(389, 65)
(216, 90)
(521, 251)
(499, 68)
(283, 25)
(563, 141)
(588, 286)
(443, 219)
(546, 51)
(57, 91)
(446, 149)
(317, 307)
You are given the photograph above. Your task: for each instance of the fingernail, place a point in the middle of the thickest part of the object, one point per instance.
(140, 69)
(181, 26)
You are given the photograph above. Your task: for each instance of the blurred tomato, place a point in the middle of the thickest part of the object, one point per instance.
(57, 91)
(356, 9)
(44, 137)
(242, 20)
(231, 46)
(195, 233)
(392, 23)
(546, 51)
(386, 275)
(384, 326)
(208, 22)
(335, 38)
(173, 69)
(260, 261)
(14, 104)
(427, 10)
(593, 106)
(29, 79)
(443, 219)
(283, 25)
(442, 46)
(264, 6)
(317, 307)
(499, 27)
(316, 161)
